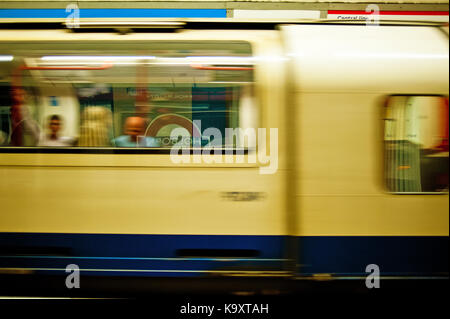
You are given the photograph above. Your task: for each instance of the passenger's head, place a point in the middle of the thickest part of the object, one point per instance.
(54, 124)
(18, 95)
(134, 126)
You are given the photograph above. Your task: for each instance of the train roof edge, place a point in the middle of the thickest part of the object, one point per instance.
(184, 23)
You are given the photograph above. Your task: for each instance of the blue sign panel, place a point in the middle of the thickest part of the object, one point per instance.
(115, 13)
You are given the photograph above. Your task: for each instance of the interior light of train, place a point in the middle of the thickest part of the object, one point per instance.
(95, 58)
(6, 58)
(49, 64)
(170, 60)
(228, 60)
(102, 66)
(115, 63)
(220, 68)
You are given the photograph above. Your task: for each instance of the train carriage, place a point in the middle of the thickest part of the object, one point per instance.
(302, 150)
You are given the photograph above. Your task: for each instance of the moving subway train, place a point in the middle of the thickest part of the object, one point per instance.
(274, 150)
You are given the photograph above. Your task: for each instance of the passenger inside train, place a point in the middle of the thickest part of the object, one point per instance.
(53, 137)
(25, 130)
(116, 98)
(134, 134)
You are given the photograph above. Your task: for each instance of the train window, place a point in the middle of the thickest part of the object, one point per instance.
(88, 98)
(416, 144)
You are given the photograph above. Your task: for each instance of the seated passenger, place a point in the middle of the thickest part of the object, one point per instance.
(134, 129)
(53, 139)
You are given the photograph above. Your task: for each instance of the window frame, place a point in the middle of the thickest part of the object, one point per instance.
(134, 150)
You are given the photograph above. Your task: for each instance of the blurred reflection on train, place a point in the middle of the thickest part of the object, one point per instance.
(362, 175)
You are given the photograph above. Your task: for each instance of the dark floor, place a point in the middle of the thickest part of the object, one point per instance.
(230, 297)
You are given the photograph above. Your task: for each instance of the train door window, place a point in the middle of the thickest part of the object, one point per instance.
(87, 98)
(416, 144)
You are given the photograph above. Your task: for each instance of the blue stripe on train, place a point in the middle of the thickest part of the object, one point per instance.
(141, 255)
(395, 255)
(156, 255)
(114, 13)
